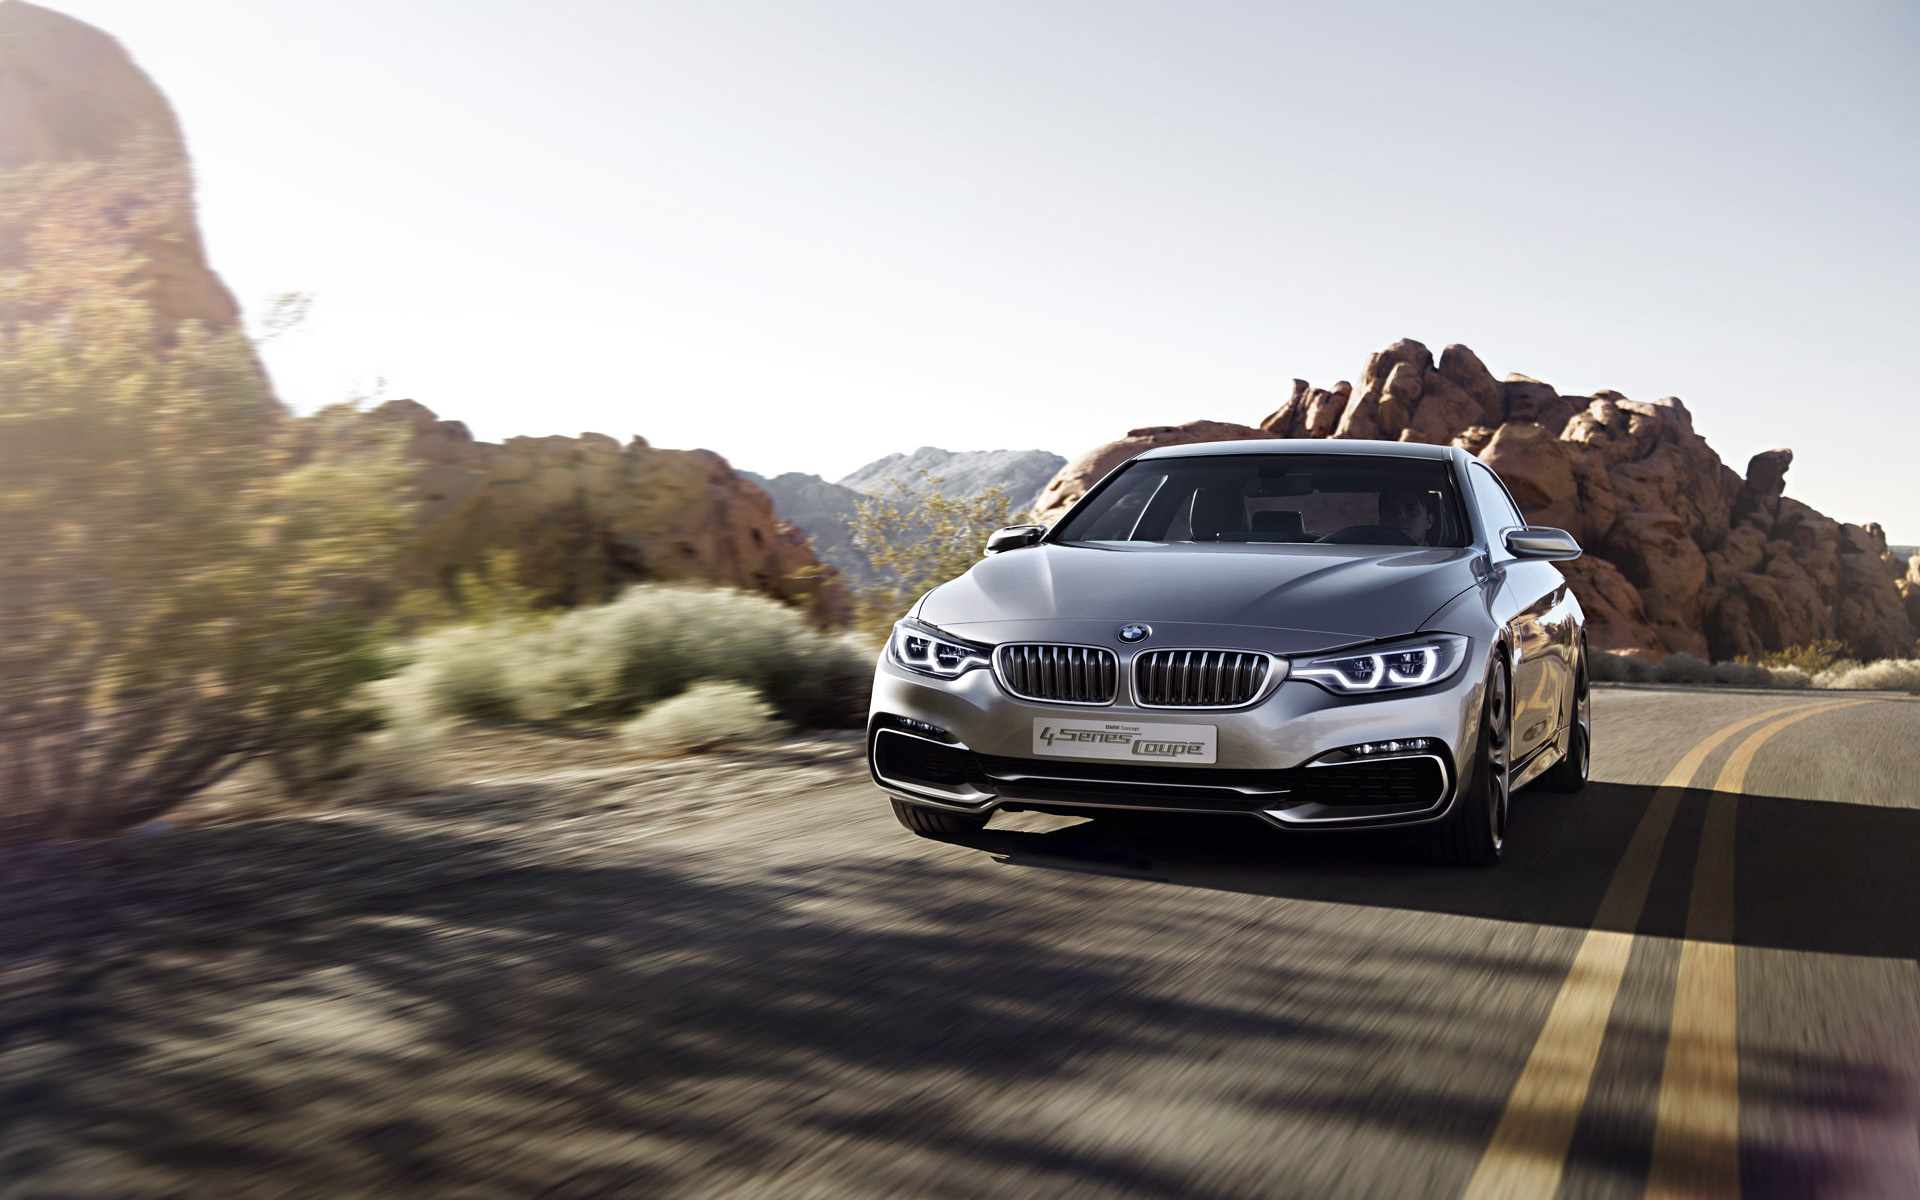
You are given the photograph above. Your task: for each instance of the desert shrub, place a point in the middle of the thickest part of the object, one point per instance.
(605, 663)
(1790, 677)
(1606, 667)
(703, 717)
(406, 753)
(1838, 668)
(187, 571)
(463, 672)
(1812, 658)
(1888, 674)
(1683, 668)
(402, 758)
(1739, 674)
(915, 539)
(1893, 674)
(655, 641)
(488, 591)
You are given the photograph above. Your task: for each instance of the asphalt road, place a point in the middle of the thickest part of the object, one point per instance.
(1696, 977)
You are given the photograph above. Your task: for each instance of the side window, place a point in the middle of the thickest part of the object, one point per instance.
(1490, 500)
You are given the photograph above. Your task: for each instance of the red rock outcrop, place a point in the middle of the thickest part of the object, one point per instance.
(1909, 585)
(70, 93)
(586, 516)
(100, 190)
(1683, 554)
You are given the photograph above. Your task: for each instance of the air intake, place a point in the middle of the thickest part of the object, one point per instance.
(1199, 678)
(1057, 674)
(1383, 782)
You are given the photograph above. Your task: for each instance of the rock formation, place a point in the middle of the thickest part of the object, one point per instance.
(1909, 585)
(1683, 554)
(825, 513)
(100, 180)
(70, 93)
(585, 516)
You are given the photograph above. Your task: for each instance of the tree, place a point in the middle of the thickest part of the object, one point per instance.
(186, 574)
(916, 539)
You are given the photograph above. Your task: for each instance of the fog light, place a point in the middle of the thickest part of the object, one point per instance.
(1419, 745)
(933, 731)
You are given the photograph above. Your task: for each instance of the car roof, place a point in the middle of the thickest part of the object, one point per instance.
(1282, 446)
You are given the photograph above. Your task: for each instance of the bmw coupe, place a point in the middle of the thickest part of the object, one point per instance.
(1316, 635)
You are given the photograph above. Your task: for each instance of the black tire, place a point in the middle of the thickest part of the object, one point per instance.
(938, 822)
(1570, 773)
(1474, 833)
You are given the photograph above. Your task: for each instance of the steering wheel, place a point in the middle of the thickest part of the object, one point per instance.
(1369, 535)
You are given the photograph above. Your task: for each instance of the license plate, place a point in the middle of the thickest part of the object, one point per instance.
(1127, 741)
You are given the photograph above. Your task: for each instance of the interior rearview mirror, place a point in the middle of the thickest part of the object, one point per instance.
(1539, 541)
(1014, 537)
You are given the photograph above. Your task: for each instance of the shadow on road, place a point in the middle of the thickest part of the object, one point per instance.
(649, 1030)
(1829, 877)
(887, 1023)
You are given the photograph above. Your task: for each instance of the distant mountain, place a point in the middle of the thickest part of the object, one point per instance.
(825, 511)
(1020, 473)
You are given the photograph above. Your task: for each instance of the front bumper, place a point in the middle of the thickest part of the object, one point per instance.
(967, 745)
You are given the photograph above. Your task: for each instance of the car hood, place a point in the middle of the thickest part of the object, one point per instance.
(1286, 601)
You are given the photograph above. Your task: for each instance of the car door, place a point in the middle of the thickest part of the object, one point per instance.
(1529, 595)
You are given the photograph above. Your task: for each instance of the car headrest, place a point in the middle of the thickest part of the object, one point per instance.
(1216, 511)
(1280, 522)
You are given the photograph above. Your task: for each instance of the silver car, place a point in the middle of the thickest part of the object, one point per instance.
(1318, 635)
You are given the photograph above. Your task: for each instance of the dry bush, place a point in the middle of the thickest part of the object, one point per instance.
(915, 539)
(407, 754)
(705, 716)
(1740, 674)
(604, 664)
(1812, 658)
(1683, 668)
(1790, 677)
(1888, 674)
(1604, 666)
(187, 571)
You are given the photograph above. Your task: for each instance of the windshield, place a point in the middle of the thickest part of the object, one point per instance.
(1339, 499)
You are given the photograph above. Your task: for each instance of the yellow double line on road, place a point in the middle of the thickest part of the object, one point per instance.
(1696, 1134)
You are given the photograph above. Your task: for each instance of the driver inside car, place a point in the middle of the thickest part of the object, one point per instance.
(1407, 510)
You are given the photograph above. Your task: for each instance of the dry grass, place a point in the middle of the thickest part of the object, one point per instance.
(604, 664)
(1888, 674)
(672, 668)
(704, 717)
(1785, 671)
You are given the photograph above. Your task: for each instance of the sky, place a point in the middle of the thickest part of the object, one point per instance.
(806, 235)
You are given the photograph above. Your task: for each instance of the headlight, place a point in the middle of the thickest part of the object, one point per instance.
(1415, 662)
(926, 651)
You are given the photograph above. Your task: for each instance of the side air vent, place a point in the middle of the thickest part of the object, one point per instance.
(1199, 678)
(915, 760)
(1057, 674)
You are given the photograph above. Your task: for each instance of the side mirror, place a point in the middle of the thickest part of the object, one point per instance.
(1538, 541)
(1014, 537)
